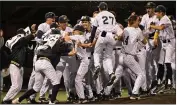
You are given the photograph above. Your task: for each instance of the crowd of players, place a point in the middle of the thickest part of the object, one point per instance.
(95, 56)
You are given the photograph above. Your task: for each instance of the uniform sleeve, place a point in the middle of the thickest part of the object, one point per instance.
(141, 36)
(40, 27)
(24, 41)
(119, 30)
(143, 21)
(74, 37)
(95, 22)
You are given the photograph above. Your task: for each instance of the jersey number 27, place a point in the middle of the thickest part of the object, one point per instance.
(105, 19)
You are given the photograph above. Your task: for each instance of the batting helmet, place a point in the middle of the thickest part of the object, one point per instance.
(49, 15)
(160, 8)
(150, 5)
(103, 6)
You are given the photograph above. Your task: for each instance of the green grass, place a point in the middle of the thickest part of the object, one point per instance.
(61, 96)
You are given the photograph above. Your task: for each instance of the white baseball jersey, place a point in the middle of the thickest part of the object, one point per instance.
(146, 21)
(105, 21)
(168, 32)
(131, 37)
(44, 27)
(68, 29)
(81, 52)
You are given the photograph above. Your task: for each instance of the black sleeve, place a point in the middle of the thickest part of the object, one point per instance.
(93, 33)
(39, 34)
(24, 41)
(141, 27)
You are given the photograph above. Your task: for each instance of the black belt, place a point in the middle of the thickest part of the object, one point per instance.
(41, 58)
(116, 48)
(103, 34)
(166, 41)
(15, 63)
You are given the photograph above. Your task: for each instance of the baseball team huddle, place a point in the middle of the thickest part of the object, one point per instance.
(95, 57)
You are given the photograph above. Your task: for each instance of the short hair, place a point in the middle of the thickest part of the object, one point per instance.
(132, 19)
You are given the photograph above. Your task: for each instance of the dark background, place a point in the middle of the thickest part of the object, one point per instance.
(17, 14)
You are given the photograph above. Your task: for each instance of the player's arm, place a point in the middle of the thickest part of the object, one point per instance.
(72, 53)
(161, 27)
(86, 45)
(23, 41)
(94, 28)
(156, 36)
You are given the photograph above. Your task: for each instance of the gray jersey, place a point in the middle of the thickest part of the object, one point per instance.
(131, 37)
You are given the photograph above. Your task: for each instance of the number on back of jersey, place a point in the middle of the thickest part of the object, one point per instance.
(108, 20)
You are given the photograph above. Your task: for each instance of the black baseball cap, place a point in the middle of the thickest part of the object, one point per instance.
(150, 5)
(160, 8)
(63, 19)
(103, 6)
(85, 18)
(79, 28)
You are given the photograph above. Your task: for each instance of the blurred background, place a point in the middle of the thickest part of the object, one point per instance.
(20, 14)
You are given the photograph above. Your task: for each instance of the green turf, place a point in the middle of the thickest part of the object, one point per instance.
(61, 96)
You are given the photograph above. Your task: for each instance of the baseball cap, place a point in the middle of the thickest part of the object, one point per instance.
(79, 28)
(150, 5)
(85, 18)
(160, 8)
(63, 19)
(103, 6)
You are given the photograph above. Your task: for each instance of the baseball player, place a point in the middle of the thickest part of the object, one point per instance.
(42, 28)
(152, 51)
(84, 61)
(105, 22)
(18, 46)
(131, 35)
(166, 35)
(48, 56)
(86, 23)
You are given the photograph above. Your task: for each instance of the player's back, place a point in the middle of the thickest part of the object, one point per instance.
(105, 21)
(131, 37)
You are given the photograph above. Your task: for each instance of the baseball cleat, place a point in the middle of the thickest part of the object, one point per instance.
(134, 97)
(96, 72)
(16, 101)
(43, 100)
(51, 102)
(32, 101)
(111, 81)
(82, 101)
(7, 102)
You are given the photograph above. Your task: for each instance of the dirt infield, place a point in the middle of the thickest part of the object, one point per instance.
(158, 99)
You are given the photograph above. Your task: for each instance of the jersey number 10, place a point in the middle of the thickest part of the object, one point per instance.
(105, 19)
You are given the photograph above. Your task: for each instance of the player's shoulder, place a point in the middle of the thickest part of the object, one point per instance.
(165, 18)
(43, 25)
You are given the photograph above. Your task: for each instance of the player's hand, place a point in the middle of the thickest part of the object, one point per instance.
(33, 26)
(72, 53)
(89, 44)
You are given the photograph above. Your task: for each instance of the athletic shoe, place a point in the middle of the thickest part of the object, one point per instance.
(96, 72)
